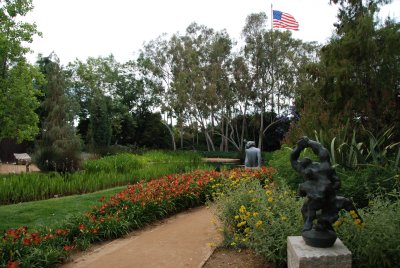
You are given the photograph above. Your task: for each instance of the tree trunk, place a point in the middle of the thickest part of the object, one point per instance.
(172, 135)
(261, 131)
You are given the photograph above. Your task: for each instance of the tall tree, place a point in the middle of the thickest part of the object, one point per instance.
(19, 81)
(274, 60)
(59, 146)
(358, 77)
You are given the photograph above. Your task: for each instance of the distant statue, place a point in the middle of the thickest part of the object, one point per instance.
(253, 155)
(320, 187)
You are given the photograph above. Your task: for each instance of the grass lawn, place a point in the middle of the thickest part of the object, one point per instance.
(51, 212)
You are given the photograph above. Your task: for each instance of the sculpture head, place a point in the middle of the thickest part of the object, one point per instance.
(250, 144)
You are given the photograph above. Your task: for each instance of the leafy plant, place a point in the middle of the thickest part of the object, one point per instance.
(376, 243)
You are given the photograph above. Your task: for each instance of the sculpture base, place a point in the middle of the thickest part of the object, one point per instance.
(319, 239)
(300, 255)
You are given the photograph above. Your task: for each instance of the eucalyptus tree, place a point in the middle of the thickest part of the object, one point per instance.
(241, 86)
(156, 61)
(201, 59)
(19, 81)
(274, 61)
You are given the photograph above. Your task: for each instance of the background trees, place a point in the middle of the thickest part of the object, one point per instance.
(356, 80)
(195, 90)
(19, 81)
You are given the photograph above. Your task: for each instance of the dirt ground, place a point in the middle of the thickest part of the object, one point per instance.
(13, 168)
(223, 257)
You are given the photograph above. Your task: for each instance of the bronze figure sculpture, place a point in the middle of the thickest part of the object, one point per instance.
(320, 187)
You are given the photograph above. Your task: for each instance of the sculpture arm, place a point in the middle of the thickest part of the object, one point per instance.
(319, 150)
(294, 156)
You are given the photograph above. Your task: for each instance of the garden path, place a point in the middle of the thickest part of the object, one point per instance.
(183, 240)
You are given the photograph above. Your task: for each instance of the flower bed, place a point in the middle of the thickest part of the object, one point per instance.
(136, 206)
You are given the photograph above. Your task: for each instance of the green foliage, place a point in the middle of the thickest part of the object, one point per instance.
(121, 163)
(19, 81)
(357, 77)
(220, 154)
(159, 156)
(59, 145)
(260, 218)
(365, 183)
(376, 243)
(286, 175)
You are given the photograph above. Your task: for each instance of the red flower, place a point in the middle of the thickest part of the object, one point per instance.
(12, 264)
(81, 227)
(26, 241)
(94, 231)
(69, 247)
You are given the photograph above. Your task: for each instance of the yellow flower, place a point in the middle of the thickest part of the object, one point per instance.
(251, 191)
(253, 200)
(259, 223)
(240, 224)
(358, 222)
(255, 214)
(236, 217)
(338, 222)
(242, 209)
(270, 199)
(268, 192)
(283, 218)
(233, 244)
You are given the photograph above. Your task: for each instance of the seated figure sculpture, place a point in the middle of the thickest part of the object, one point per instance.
(320, 187)
(253, 155)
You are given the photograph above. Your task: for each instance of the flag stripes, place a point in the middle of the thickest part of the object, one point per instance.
(284, 20)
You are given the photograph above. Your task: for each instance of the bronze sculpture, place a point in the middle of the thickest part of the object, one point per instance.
(320, 187)
(253, 155)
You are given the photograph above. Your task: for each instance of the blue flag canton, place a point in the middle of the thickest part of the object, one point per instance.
(277, 15)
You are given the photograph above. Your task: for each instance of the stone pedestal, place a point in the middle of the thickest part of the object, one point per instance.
(301, 255)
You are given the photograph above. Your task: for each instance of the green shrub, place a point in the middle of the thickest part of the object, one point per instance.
(377, 243)
(286, 175)
(365, 183)
(260, 219)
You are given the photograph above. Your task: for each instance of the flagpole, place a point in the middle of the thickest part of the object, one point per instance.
(272, 15)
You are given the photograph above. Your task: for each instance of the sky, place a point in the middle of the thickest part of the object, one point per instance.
(92, 28)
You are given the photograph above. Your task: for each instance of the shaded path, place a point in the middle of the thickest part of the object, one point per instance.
(183, 240)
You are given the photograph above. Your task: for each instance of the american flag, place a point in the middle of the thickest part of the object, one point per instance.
(284, 20)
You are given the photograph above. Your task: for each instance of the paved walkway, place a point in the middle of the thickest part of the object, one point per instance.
(184, 240)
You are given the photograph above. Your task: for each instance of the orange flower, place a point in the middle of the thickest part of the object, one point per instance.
(69, 247)
(26, 241)
(12, 264)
